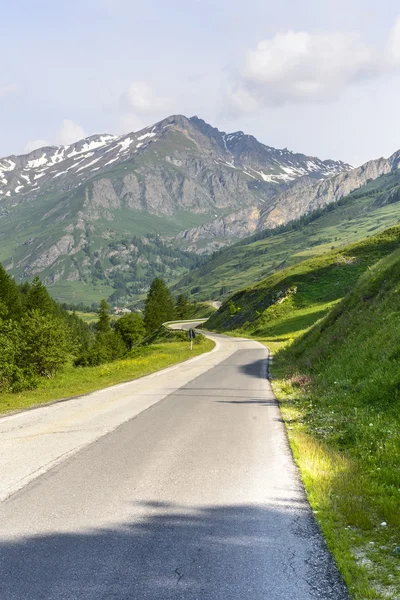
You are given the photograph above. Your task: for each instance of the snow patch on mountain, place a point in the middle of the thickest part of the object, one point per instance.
(46, 169)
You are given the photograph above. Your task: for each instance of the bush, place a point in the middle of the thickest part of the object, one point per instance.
(108, 346)
(131, 329)
(46, 343)
(36, 347)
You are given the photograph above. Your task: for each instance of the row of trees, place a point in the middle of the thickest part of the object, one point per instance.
(38, 336)
(114, 339)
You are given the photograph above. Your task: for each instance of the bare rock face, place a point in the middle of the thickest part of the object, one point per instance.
(103, 195)
(305, 195)
(231, 227)
(64, 246)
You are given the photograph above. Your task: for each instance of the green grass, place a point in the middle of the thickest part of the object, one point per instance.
(78, 291)
(203, 310)
(76, 381)
(90, 317)
(339, 389)
(285, 304)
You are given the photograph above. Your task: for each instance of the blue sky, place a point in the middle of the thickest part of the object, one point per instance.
(321, 78)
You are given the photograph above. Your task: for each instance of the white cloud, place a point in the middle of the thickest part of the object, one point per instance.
(304, 67)
(70, 132)
(138, 104)
(8, 90)
(241, 100)
(393, 45)
(35, 144)
(140, 98)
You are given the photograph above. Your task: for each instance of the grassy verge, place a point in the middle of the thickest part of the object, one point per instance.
(75, 381)
(357, 515)
(339, 390)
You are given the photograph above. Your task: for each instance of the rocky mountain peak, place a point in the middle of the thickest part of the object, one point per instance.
(65, 209)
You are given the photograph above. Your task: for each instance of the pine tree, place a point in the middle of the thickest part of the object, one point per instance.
(159, 305)
(182, 307)
(103, 324)
(38, 298)
(10, 297)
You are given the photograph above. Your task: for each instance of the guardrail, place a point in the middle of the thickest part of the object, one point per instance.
(183, 321)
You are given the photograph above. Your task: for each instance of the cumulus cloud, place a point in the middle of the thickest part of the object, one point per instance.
(302, 67)
(8, 90)
(35, 144)
(69, 133)
(393, 45)
(141, 99)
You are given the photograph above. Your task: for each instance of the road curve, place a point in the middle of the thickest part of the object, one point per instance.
(176, 486)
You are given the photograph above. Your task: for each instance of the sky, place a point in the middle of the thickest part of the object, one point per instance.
(321, 77)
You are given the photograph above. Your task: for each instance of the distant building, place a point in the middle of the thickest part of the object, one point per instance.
(121, 311)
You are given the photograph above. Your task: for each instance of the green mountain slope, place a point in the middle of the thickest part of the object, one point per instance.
(289, 301)
(371, 209)
(341, 399)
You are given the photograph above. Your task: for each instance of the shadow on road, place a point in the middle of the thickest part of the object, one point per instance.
(255, 369)
(259, 401)
(174, 552)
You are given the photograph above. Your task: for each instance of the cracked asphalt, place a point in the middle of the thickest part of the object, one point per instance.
(189, 493)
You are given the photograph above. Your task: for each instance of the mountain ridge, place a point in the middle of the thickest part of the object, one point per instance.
(13, 180)
(67, 213)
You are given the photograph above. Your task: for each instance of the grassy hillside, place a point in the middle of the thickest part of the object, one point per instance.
(340, 396)
(286, 303)
(369, 210)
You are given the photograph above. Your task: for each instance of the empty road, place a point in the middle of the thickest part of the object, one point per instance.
(180, 485)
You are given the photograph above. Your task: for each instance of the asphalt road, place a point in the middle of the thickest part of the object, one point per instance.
(177, 486)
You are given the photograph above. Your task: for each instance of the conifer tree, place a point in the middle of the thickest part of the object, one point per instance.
(159, 305)
(182, 307)
(103, 324)
(10, 298)
(38, 298)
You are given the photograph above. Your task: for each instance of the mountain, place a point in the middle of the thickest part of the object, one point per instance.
(70, 213)
(366, 211)
(305, 194)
